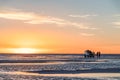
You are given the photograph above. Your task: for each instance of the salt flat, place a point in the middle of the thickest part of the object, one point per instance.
(63, 67)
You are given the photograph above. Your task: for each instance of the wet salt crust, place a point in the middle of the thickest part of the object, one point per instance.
(59, 67)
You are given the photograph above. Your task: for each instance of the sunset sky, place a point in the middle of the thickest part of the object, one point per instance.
(59, 26)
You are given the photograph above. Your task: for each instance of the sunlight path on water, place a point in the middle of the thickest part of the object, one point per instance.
(50, 63)
(82, 75)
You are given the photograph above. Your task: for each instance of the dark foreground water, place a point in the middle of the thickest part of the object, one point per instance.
(59, 67)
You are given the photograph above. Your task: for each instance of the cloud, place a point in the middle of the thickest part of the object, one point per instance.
(116, 24)
(87, 34)
(82, 16)
(34, 18)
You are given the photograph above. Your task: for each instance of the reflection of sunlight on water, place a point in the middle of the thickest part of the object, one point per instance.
(49, 63)
(82, 75)
(102, 60)
(20, 73)
(89, 62)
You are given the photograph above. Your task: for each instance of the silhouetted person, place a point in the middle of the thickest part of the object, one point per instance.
(98, 54)
(93, 54)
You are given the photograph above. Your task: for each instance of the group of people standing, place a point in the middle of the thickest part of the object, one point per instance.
(91, 54)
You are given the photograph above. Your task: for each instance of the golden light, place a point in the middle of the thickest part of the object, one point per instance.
(24, 50)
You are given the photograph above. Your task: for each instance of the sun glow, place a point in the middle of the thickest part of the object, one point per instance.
(25, 50)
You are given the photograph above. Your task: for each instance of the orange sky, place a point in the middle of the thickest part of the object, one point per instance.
(49, 41)
(43, 28)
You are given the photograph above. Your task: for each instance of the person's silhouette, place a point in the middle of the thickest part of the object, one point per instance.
(98, 54)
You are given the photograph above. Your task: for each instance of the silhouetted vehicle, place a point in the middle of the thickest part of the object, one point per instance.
(89, 54)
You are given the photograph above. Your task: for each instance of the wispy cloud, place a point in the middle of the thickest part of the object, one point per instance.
(34, 18)
(87, 34)
(82, 16)
(116, 24)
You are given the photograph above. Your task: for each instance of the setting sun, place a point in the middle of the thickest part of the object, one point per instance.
(24, 50)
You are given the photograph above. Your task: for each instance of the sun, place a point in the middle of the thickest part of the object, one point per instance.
(24, 50)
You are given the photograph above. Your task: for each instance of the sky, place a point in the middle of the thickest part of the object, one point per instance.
(59, 26)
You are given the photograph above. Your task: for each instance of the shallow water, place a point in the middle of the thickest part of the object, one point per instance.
(58, 67)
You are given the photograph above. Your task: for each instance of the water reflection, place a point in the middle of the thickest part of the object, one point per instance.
(81, 75)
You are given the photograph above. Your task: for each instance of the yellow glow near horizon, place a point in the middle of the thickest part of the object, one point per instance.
(25, 50)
